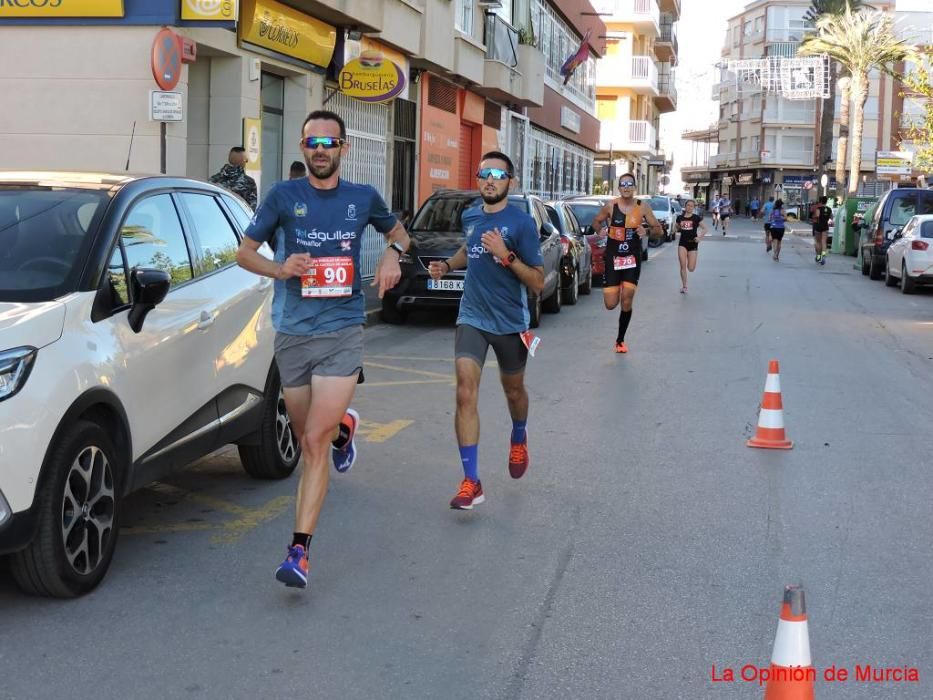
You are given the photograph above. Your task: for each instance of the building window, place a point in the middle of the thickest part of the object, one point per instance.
(272, 92)
(557, 41)
(463, 19)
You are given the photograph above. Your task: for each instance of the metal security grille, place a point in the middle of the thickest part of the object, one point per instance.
(557, 167)
(492, 115)
(366, 163)
(442, 95)
(403, 156)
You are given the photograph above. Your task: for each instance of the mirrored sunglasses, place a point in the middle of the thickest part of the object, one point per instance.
(327, 142)
(626, 183)
(494, 173)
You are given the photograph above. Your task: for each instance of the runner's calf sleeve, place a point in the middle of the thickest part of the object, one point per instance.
(470, 460)
(624, 318)
(518, 431)
(302, 538)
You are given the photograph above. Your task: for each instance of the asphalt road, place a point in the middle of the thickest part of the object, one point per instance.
(645, 545)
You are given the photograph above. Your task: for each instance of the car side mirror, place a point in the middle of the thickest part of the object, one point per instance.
(589, 231)
(149, 289)
(547, 230)
(898, 233)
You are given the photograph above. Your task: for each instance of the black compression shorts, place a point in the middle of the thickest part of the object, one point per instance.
(472, 343)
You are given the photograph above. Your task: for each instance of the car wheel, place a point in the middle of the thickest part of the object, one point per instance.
(866, 263)
(907, 284)
(77, 521)
(534, 310)
(573, 289)
(278, 451)
(587, 286)
(874, 269)
(390, 312)
(889, 279)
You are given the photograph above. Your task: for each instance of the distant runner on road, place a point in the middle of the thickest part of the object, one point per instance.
(766, 210)
(820, 220)
(692, 229)
(502, 257)
(317, 309)
(777, 228)
(624, 246)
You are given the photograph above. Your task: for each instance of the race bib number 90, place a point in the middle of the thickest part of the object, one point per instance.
(328, 277)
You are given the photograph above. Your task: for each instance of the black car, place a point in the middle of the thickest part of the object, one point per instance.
(576, 269)
(437, 234)
(884, 219)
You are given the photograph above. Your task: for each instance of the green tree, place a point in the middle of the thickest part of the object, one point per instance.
(861, 42)
(920, 131)
(818, 9)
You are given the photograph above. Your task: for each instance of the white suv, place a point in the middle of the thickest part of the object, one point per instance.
(131, 343)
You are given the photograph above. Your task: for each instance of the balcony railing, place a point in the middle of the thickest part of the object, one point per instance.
(634, 11)
(721, 160)
(501, 41)
(787, 49)
(627, 71)
(627, 135)
(669, 32)
(666, 86)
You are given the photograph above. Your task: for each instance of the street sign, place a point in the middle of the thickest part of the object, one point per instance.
(893, 162)
(165, 106)
(808, 185)
(166, 59)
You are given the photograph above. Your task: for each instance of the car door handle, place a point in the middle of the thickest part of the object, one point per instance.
(207, 320)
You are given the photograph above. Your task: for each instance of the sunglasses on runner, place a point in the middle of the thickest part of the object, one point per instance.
(495, 173)
(627, 183)
(327, 142)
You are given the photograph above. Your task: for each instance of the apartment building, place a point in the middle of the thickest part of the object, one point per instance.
(696, 173)
(769, 145)
(635, 85)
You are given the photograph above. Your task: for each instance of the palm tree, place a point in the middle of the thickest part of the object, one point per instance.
(821, 8)
(861, 42)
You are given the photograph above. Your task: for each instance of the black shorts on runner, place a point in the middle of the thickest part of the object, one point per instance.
(818, 231)
(472, 343)
(725, 216)
(689, 245)
(777, 233)
(613, 277)
(767, 228)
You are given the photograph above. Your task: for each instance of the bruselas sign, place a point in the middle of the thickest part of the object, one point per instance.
(60, 8)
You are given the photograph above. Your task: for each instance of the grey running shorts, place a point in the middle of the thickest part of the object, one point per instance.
(472, 343)
(335, 354)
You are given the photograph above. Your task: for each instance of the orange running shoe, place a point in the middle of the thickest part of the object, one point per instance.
(293, 572)
(621, 347)
(469, 495)
(518, 458)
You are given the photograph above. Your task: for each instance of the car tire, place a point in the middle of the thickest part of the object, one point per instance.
(889, 279)
(587, 286)
(572, 290)
(534, 310)
(865, 263)
(279, 449)
(907, 285)
(874, 269)
(390, 312)
(83, 465)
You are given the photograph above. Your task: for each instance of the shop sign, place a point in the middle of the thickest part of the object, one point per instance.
(570, 120)
(371, 77)
(208, 10)
(893, 162)
(276, 27)
(746, 178)
(165, 106)
(699, 176)
(60, 8)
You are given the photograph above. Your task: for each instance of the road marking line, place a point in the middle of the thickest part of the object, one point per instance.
(380, 432)
(412, 359)
(235, 529)
(422, 372)
(405, 382)
(163, 529)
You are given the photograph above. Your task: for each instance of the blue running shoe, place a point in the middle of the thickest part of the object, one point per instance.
(345, 456)
(293, 572)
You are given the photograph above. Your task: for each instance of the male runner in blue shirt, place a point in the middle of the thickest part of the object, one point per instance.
(502, 256)
(318, 309)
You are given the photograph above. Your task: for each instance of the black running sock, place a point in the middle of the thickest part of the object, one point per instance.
(624, 319)
(302, 538)
(344, 436)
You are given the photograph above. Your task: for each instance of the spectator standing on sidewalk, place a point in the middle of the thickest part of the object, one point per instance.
(755, 204)
(317, 309)
(233, 177)
(502, 257)
(297, 170)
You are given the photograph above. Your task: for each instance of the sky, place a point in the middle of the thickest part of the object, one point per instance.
(700, 33)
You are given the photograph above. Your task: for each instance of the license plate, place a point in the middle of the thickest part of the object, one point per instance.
(445, 285)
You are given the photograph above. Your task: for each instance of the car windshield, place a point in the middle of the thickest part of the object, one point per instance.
(585, 212)
(906, 206)
(43, 238)
(444, 214)
(657, 203)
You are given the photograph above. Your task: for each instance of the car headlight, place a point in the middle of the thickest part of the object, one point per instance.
(15, 366)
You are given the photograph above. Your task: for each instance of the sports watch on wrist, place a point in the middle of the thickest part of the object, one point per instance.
(508, 259)
(397, 247)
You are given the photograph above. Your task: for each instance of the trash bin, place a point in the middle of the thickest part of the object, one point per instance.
(845, 239)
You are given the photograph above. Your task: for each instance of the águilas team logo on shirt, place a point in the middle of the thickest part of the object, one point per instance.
(351, 212)
(301, 209)
(346, 245)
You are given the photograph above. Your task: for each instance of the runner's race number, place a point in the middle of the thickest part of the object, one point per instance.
(328, 277)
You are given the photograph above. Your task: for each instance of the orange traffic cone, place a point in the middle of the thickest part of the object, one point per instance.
(770, 431)
(792, 675)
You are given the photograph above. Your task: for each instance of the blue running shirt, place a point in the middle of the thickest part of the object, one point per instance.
(322, 223)
(494, 299)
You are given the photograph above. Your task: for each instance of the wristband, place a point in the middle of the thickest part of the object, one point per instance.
(397, 247)
(449, 268)
(508, 260)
